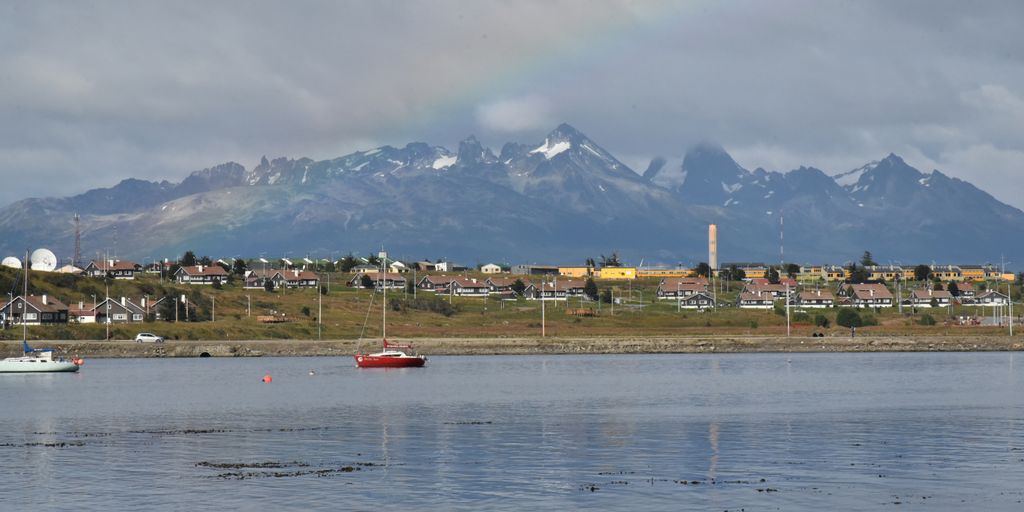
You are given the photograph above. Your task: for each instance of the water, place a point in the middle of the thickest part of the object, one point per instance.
(752, 432)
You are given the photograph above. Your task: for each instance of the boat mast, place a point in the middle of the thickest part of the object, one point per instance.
(384, 287)
(24, 302)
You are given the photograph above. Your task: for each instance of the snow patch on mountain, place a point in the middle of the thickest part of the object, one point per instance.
(551, 150)
(445, 162)
(849, 178)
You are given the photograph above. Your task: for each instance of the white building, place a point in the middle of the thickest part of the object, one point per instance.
(490, 268)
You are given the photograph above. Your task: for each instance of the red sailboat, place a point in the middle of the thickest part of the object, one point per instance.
(389, 357)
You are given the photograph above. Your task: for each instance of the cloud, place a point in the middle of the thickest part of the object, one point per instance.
(91, 93)
(515, 114)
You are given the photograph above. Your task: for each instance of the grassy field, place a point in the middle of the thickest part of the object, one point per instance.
(347, 314)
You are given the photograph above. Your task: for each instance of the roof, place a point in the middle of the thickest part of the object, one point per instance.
(394, 276)
(468, 283)
(51, 305)
(869, 291)
(205, 270)
(683, 282)
(816, 295)
(755, 296)
(682, 285)
(303, 275)
(109, 265)
(931, 294)
(506, 281)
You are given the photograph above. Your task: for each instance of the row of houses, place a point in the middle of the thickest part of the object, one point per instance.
(460, 286)
(46, 310)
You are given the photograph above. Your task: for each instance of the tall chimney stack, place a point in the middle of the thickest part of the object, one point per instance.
(713, 247)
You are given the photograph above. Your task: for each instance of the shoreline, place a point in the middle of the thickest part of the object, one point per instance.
(525, 345)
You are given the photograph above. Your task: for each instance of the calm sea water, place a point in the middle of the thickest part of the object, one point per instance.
(700, 432)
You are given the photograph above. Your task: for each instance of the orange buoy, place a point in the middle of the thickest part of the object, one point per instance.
(267, 378)
(78, 361)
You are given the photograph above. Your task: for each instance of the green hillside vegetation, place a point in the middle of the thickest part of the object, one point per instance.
(347, 310)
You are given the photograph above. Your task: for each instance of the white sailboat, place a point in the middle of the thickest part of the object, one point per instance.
(35, 360)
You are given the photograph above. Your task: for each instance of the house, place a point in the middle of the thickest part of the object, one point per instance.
(926, 298)
(678, 288)
(865, 295)
(503, 285)
(777, 291)
(576, 270)
(533, 270)
(82, 313)
(617, 273)
(966, 291)
(447, 266)
(69, 269)
(389, 280)
(434, 283)
(201, 274)
(424, 266)
(663, 273)
(947, 273)
(815, 299)
(490, 268)
(365, 267)
(303, 279)
(465, 287)
(118, 269)
(699, 300)
(991, 298)
(834, 273)
(258, 278)
(398, 266)
(785, 281)
(34, 310)
(884, 272)
(118, 312)
(972, 272)
(557, 290)
(749, 300)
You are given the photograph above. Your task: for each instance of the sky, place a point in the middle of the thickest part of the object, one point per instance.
(92, 92)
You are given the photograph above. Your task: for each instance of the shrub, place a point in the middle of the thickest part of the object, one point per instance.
(926, 319)
(305, 311)
(753, 324)
(848, 318)
(801, 317)
(821, 321)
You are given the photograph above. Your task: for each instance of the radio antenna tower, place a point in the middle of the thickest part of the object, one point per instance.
(78, 242)
(782, 254)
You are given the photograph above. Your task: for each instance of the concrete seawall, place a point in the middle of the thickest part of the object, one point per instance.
(566, 345)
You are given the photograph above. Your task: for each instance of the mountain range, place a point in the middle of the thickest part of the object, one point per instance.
(559, 200)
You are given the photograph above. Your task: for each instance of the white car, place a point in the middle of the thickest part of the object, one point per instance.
(145, 337)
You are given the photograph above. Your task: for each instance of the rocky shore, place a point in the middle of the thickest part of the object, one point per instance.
(534, 345)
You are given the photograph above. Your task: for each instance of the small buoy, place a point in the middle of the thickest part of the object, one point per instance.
(78, 361)
(267, 378)
(312, 372)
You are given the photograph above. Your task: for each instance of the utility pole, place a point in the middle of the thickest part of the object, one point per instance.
(248, 306)
(543, 332)
(787, 310)
(214, 308)
(319, 313)
(1009, 297)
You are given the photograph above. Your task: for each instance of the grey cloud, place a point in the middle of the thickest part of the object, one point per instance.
(94, 92)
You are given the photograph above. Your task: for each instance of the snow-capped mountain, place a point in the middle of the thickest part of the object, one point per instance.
(561, 198)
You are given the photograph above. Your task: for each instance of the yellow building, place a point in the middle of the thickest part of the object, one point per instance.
(580, 271)
(1008, 276)
(884, 273)
(947, 273)
(663, 272)
(972, 272)
(617, 273)
(835, 273)
(755, 272)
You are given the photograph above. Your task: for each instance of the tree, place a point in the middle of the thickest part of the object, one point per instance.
(366, 281)
(268, 285)
(205, 261)
(734, 273)
(848, 318)
(858, 274)
(922, 272)
(611, 261)
(792, 269)
(410, 286)
(773, 275)
(347, 263)
(590, 289)
(606, 296)
(216, 285)
(937, 286)
(702, 270)
(372, 259)
(188, 259)
(954, 289)
(519, 286)
(590, 263)
(867, 260)
(239, 267)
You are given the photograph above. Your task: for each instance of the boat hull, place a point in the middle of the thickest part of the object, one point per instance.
(371, 361)
(38, 367)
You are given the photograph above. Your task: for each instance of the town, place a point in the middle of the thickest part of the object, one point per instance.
(741, 297)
